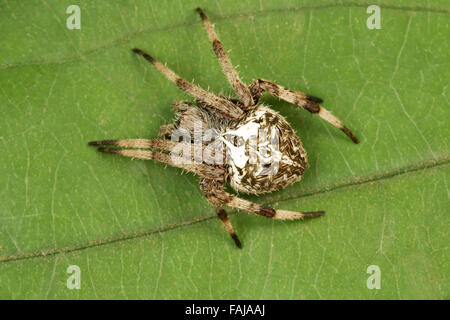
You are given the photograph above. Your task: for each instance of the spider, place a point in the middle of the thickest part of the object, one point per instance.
(236, 122)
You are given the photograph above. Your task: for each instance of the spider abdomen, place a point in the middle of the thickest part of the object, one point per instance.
(263, 152)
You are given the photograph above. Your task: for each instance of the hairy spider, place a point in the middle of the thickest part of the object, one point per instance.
(253, 163)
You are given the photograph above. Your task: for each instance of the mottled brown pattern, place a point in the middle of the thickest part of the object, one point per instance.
(218, 49)
(289, 145)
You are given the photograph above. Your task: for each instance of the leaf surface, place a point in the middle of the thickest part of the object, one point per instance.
(140, 230)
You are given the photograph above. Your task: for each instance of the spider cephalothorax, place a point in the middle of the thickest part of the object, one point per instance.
(226, 140)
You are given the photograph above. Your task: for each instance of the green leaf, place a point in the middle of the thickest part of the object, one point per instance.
(139, 230)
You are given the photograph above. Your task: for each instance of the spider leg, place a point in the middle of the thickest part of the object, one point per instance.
(213, 190)
(233, 78)
(236, 202)
(202, 170)
(224, 106)
(223, 216)
(166, 145)
(205, 186)
(303, 100)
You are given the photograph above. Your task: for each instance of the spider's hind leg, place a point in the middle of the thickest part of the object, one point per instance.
(239, 203)
(213, 191)
(205, 186)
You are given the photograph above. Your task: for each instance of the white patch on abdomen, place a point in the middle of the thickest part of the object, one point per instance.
(237, 153)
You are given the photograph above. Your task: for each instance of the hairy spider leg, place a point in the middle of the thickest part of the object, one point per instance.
(221, 213)
(223, 106)
(233, 78)
(166, 145)
(213, 191)
(236, 202)
(202, 170)
(303, 100)
(205, 184)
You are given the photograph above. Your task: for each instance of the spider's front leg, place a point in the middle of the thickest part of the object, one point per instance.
(223, 106)
(134, 150)
(232, 76)
(301, 99)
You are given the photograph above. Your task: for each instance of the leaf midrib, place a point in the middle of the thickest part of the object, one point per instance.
(357, 181)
